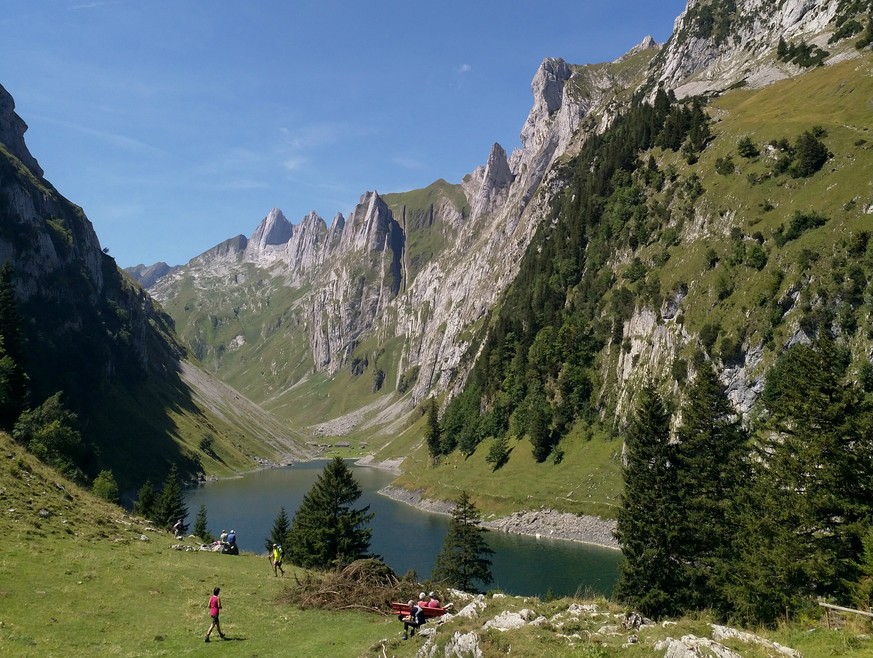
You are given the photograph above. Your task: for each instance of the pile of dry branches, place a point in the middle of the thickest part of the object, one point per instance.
(364, 585)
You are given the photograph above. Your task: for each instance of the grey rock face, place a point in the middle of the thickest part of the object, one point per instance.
(12, 129)
(696, 63)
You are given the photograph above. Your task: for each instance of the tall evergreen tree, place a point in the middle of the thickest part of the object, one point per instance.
(812, 487)
(145, 501)
(649, 517)
(170, 505)
(463, 560)
(710, 458)
(326, 530)
(13, 379)
(432, 430)
(201, 528)
(279, 531)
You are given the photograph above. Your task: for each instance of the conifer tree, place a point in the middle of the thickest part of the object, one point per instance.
(463, 560)
(170, 505)
(201, 528)
(432, 430)
(498, 453)
(812, 487)
(279, 531)
(145, 501)
(649, 517)
(326, 530)
(710, 459)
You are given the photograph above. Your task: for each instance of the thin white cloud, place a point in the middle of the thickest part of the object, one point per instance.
(294, 163)
(115, 139)
(92, 5)
(464, 68)
(407, 162)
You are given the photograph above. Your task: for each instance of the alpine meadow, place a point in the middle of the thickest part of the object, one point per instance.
(654, 317)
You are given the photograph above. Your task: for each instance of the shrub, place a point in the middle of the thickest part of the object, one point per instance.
(746, 148)
(105, 486)
(725, 166)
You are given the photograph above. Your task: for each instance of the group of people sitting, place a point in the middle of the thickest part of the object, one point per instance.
(416, 616)
(226, 543)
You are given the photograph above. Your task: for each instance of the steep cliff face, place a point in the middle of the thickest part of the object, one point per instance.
(717, 44)
(96, 336)
(71, 292)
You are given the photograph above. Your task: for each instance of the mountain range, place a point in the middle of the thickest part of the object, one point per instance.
(718, 247)
(393, 304)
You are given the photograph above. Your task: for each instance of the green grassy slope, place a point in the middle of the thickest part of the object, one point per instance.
(77, 579)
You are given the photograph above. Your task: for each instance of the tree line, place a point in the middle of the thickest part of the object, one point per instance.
(753, 523)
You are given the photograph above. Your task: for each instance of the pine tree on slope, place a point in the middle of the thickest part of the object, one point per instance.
(464, 560)
(650, 515)
(279, 531)
(710, 462)
(326, 531)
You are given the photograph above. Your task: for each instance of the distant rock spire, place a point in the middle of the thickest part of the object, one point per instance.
(12, 129)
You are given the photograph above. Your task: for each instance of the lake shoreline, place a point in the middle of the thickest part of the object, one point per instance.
(544, 523)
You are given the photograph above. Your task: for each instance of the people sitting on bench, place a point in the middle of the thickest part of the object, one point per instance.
(413, 620)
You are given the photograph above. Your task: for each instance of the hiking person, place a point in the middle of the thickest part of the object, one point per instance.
(277, 555)
(214, 609)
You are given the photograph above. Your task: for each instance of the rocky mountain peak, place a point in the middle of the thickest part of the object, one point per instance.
(548, 84)
(12, 129)
(648, 43)
(496, 178)
(270, 238)
(369, 224)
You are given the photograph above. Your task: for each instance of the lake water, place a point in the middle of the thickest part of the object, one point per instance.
(405, 537)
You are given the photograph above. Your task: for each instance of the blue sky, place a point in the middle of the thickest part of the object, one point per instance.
(177, 124)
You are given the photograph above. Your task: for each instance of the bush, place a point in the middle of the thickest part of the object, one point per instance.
(50, 433)
(747, 148)
(810, 155)
(105, 486)
(709, 334)
(725, 166)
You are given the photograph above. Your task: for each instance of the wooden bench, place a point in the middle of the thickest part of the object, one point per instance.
(403, 609)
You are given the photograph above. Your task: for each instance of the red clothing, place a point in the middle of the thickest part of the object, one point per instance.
(433, 603)
(214, 606)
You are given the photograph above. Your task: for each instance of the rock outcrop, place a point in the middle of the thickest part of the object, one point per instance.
(710, 52)
(12, 129)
